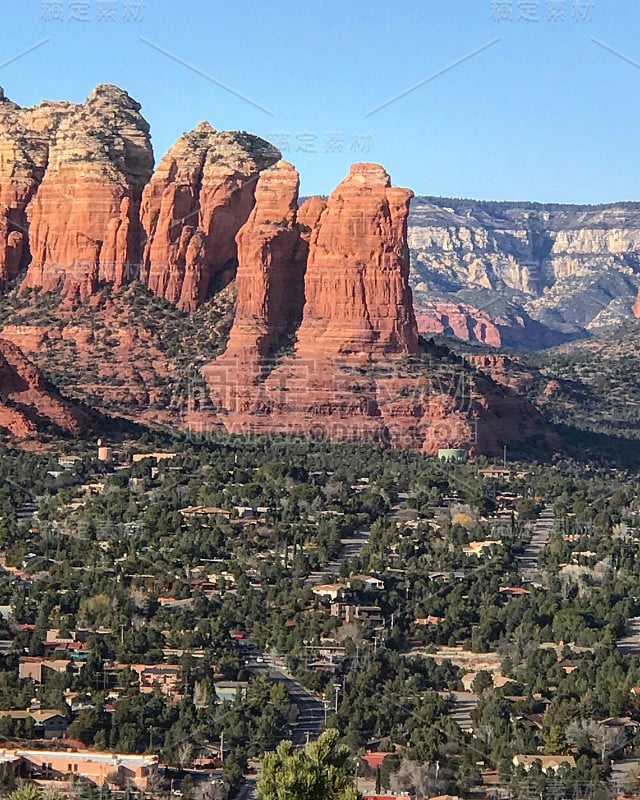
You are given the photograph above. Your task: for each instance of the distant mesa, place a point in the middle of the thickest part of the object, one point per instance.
(523, 274)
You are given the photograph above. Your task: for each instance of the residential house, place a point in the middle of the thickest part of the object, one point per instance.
(547, 763)
(165, 677)
(96, 767)
(370, 582)
(230, 691)
(374, 758)
(330, 591)
(374, 796)
(49, 723)
(478, 548)
(36, 668)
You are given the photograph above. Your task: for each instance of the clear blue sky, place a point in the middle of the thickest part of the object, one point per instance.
(543, 114)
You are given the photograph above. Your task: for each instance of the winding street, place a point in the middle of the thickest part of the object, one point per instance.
(528, 561)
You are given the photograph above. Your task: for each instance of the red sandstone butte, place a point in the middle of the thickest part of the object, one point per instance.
(200, 195)
(270, 279)
(83, 219)
(357, 371)
(358, 299)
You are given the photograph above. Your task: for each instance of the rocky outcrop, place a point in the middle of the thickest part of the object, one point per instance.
(270, 277)
(358, 300)
(83, 219)
(25, 140)
(357, 370)
(459, 321)
(28, 404)
(198, 198)
(325, 340)
(71, 184)
(636, 306)
(541, 274)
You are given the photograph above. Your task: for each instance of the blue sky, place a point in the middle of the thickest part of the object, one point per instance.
(544, 113)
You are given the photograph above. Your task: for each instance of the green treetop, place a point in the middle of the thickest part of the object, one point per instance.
(319, 772)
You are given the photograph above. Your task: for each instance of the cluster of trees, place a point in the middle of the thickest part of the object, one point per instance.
(107, 563)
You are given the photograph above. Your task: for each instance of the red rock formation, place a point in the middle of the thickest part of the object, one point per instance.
(358, 299)
(269, 282)
(636, 306)
(25, 136)
(328, 281)
(198, 198)
(463, 322)
(27, 402)
(357, 371)
(83, 220)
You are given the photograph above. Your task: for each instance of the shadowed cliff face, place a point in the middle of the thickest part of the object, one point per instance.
(523, 274)
(27, 402)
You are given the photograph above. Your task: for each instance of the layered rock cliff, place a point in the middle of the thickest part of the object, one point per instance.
(523, 274)
(356, 370)
(83, 220)
(358, 300)
(198, 198)
(325, 339)
(80, 205)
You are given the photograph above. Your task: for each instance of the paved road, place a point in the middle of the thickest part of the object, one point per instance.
(310, 722)
(351, 546)
(630, 642)
(463, 705)
(528, 561)
(620, 771)
(248, 791)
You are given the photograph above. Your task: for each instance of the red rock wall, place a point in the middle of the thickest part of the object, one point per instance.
(32, 401)
(198, 198)
(83, 219)
(358, 299)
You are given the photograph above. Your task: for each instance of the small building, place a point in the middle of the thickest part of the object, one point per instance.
(547, 763)
(330, 591)
(374, 758)
(374, 796)
(165, 677)
(69, 462)
(478, 548)
(230, 691)
(431, 619)
(370, 582)
(49, 723)
(105, 453)
(136, 457)
(36, 668)
(97, 767)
